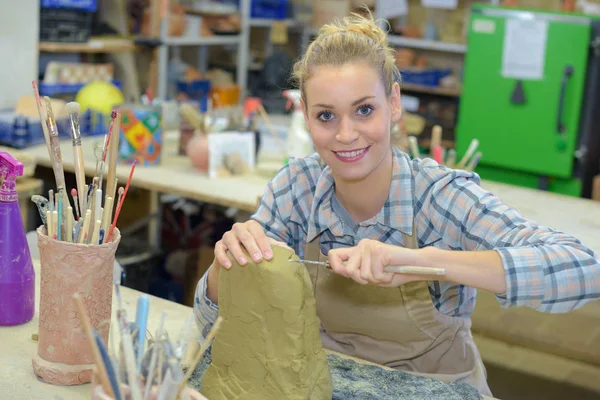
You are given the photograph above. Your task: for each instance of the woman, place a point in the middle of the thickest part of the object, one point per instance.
(367, 205)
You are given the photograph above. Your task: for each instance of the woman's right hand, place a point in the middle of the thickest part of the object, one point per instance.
(248, 236)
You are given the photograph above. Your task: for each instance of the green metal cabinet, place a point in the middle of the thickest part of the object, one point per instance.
(528, 116)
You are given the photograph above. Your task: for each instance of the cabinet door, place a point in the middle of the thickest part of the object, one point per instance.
(528, 124)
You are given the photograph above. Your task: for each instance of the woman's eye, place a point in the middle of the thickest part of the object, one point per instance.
(325, 116)
(365, 110)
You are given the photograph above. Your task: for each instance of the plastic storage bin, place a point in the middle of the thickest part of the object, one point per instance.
(84, 5)
(198, 90)
(65, 25)
(425, 76)
(269, 9)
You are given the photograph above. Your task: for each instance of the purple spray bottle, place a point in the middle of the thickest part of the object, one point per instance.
(17, 278)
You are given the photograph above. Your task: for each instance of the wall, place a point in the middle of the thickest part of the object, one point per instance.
(19, 30)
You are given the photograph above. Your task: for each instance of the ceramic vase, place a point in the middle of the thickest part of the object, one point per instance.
(64, 355)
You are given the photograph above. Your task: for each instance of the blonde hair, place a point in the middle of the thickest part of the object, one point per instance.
(355, 38)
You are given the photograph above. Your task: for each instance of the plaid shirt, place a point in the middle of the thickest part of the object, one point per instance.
(545, 269)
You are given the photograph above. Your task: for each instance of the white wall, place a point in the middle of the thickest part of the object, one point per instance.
(19, 32)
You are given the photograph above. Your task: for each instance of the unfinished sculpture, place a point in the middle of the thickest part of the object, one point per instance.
(64, 355)
(268, 346)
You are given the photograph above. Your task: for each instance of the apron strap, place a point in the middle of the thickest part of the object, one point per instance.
(411, 241)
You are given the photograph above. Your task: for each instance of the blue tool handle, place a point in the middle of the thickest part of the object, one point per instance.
(141, 320)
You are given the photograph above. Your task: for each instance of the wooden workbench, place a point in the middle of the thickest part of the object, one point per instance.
(17, 379)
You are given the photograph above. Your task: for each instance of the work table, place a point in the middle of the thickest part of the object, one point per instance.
(17, 379)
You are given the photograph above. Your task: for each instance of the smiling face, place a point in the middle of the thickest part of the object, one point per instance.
(349, 117)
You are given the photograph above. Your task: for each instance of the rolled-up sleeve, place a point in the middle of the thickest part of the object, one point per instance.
(546, 269)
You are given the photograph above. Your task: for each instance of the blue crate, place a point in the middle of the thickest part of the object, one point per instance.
(269, 9)
(425, 77)
(20, 132)
(84, 5)
(53, 89)
(196, 90)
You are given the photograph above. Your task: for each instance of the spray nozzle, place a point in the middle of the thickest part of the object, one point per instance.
(10, 168)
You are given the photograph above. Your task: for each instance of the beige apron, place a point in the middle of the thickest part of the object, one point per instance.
(396, 327)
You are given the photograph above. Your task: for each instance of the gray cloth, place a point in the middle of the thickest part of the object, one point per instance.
(352, 380)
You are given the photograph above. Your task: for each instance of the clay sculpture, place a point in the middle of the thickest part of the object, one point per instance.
(268, 345)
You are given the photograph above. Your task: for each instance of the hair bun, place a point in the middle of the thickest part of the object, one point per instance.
(358, 24)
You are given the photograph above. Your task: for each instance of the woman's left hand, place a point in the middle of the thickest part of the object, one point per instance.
(365, 262)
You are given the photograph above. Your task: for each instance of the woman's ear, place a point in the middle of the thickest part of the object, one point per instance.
(304, 111)
(396, 103)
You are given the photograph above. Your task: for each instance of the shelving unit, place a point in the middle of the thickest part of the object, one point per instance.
(94, 45)
(424, 44)
(241, 41)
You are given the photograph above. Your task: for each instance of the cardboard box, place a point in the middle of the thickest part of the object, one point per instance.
(325, 11)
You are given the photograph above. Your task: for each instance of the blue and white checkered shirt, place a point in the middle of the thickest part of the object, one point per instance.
(545, 269)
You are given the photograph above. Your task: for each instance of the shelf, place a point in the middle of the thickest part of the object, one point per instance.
(427, 44)
(203, 40)
(98, 45)
(451, 92)
(266, 22)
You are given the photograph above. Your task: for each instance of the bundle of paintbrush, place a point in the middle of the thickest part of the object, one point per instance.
(143, 368)
(447, 157)
(89, 220)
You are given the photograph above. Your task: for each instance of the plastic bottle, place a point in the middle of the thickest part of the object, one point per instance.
(17, 277)
(299, 143)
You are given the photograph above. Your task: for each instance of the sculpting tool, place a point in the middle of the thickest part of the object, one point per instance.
(126, 341)
(474, 161)
(113, 152)
(69, 230)
(437, 154)
(83, 232)
(55, 156)
(49, 223)
(106, 218)
(394, 269)
(74, 194)
(110, 370)
(205, 344)
(87, 328)
(436, 139)
(472, 147)
(54, 224)
(157, 348)
(112, 227)
(95, 232)
(60, 216)
(141, 320)
(451, 158)
(42, 205)
(73, 108)
(51, 199)
(414, 146)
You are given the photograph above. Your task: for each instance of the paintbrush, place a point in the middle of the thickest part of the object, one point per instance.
(73, 108)
(451, 159)
(55, 225)
(205, 344)
(106, 218)
(69, 229)
(60, 215)
(87, 328)
(141, 320)
(394, 269)
(83, 232)
(106, 146)
(155, 351)
(110, 370)
(414, 146)
(113, 153)
(112, 227)
(55, 156)
(470, 151)
(43, 118)
(76, 203)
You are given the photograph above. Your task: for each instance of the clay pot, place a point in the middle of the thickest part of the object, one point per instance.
(197, 151)
(64, 355)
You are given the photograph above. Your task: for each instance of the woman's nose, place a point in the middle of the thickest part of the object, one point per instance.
(346, 133)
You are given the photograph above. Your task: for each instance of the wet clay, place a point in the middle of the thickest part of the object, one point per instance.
(268, 345)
